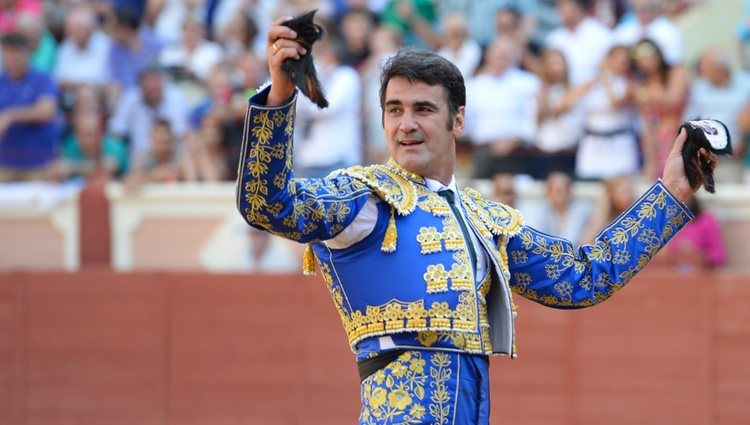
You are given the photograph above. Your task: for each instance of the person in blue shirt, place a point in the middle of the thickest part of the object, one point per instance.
(421, 272)
(29, 121)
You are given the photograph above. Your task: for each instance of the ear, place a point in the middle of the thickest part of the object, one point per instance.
(459, 122)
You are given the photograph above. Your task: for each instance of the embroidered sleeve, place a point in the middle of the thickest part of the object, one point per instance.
(546, 269)
(268, 195)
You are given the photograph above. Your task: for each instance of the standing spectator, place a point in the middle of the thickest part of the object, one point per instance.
(661, 91)
(699, 245)
(43, 45)
(650, 22)
(194, 56)
(133, 50)
(11, 10)
(721, 94)
(559, 117)
(609, 146)
(82, 59)
(204, 158)
(582, 39)
(617, 196)
(501, 112)
(331, 138)
(151, 100)
(510, 23)
(357, 25)
(457, 46)
(560, 214)
(28, 115)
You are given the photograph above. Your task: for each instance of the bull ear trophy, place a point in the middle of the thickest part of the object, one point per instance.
(302, 70)
(714, 137)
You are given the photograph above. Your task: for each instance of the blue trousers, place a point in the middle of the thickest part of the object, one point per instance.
(428, 387)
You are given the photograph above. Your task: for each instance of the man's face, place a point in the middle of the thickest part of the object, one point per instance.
(15, 61)
(421, 136)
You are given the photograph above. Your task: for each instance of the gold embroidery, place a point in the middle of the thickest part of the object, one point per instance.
(429, 240)
(441, 373)
(437, 278)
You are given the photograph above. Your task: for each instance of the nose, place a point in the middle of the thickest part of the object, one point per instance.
(408, 122)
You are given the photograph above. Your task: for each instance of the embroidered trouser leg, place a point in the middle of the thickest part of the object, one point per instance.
(428, 387)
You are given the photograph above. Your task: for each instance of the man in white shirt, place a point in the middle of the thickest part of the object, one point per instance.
(501, 112)
(82, 58)
(583, 40)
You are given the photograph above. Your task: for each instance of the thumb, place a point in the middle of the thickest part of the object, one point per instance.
(679, 142)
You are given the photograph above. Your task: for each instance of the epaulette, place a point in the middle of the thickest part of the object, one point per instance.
(500, 219)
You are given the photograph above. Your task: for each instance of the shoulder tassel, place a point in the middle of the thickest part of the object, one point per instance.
(308, 261)
(391, 234)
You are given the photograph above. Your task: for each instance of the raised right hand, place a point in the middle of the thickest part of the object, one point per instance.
(281, 46)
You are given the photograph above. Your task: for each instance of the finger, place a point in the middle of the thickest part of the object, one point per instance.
(709, 157)
(283, 43)
(278, 31)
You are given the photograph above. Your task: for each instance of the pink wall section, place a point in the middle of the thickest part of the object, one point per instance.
(151, 348)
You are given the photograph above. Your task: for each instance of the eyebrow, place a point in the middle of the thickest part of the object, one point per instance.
(419, 103)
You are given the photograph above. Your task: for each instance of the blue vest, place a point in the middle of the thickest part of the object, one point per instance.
(421, 279)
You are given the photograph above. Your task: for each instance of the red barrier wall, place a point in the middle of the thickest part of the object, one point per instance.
(103, 348)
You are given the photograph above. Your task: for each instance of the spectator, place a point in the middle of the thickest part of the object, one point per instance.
(28, 115)
(414, 19)
(650, 22)
(617, 196)
(133, 50)
(160, 163)
(559, 214)
(582, 39)
(194, 56)
(331, 138)
(167, 17)
(510, 23)
(89, 152)
(357, 25)
(82, 58)
(457, 46)
(609, 146)
(43, 45)
(534, 14)
(559, 117)
(504, 189)
(501, 112)
(239, 36)
(721, 94)
(153, 98)
(661, 91)
(205, 157)
(11, 10)
(699, 245)
(743, 36)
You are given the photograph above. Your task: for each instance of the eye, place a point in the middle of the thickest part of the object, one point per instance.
(394, 110)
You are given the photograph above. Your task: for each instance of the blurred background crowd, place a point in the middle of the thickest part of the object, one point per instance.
(153, 91)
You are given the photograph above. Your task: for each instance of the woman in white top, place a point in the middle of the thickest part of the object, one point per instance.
(609, 146)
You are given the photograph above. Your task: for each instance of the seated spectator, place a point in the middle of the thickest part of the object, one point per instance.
(166, 17)
(558, 116)
(457, 46)
(194, 56)
(11, 10)
(720, 93)
(160, 163)
(29, 129)
(649, 21)
(609, 146)
(42, 44)
(331, 138)
(510, 23)
(617, 196)
(699, 246)
(205, 156)
(414, 19)
(501, 112)
(240, 36)
(82, 57)
(133, 50)
(88, 152)
(504, 189)
(660, 93)
(582, 39)
(560, 213)
(140, 106)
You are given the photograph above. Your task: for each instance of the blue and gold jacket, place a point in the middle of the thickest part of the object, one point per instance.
(411, 278)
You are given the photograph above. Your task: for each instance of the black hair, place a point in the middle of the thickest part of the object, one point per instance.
(429, 68)
(127, 17)
(15, 40)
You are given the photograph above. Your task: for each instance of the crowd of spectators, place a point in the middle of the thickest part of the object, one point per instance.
(156, 90)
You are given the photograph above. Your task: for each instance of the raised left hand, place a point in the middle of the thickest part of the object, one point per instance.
(674, 177)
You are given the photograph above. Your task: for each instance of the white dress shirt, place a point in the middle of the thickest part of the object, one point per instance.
(584, 48)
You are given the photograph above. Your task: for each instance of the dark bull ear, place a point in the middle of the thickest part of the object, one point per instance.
(302, 70)
(711, 135)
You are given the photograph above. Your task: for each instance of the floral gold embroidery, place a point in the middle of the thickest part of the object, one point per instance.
(437, 278)
(429, 239)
